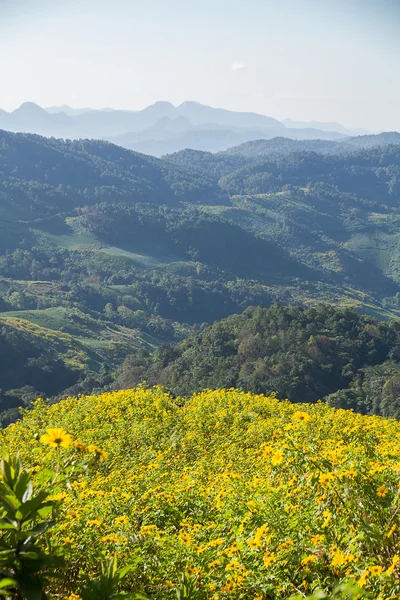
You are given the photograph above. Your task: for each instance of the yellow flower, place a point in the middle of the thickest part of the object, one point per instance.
(148, 529)
(94, 522)
(59, 496)
(300, 415)
(269, 558)
(340, 559)
(110, 538)
(72, 514)
(317, 539)
(363, 579)
(277, 458)
(57, 437)
(395, 561)
(122, 520)
(214, 563)
(68, 540)
(326, 477)
(231, 566)
(328, 515)
(185, 538)
(381, 491)
(391, 530)
(97, 451)
(79, 446)
(375, 570)
(309, 559)
(73, 597)
(257, 540)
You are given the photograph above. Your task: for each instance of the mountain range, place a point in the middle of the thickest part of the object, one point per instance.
(106, 253)
(163, 128)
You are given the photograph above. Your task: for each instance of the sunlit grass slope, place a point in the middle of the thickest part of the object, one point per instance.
(257, 498)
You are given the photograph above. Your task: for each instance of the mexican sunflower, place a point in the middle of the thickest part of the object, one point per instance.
(57, 437)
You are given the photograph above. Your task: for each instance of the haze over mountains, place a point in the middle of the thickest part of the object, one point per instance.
(163, 128)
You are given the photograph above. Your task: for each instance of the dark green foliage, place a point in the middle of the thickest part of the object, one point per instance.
(34, 362)
(41, 177)
(190, 234)
(279, 147)
(211, 165)
(25, 562)
(375, 389)
(370, 174)
(303, 355)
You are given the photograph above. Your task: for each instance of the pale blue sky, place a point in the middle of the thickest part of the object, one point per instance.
(305, 59)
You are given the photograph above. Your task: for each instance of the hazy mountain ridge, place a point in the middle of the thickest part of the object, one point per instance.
(225, 162)
(331, 126)
(160, 128)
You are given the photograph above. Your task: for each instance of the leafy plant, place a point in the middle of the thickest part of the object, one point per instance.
(106, 588)
(25, 566)
(187, 588)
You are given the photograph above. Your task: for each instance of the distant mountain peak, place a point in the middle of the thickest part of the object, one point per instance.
(190, 103)
(30, 108)
(160, 104)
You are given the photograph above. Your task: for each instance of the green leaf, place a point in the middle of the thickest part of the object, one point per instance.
(10, 501)
(31, 589)
(7, 554)
(45, 510)
(23, 487)
(37, 530)
(45, 476)
(27, 495)
(29, 508)
(7, 525)
(30, 555)
(122, 572)
(7, 582)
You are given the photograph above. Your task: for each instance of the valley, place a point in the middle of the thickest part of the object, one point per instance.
(115, 253)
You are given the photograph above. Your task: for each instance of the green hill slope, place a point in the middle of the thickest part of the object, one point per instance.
(128, 249)
(41, 176)
(320, 353)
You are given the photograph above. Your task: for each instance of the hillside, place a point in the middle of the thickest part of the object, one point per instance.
(42, 177)
(322, 353)
(371, 175)
(124, 252)
(279, 147)
(243, 496)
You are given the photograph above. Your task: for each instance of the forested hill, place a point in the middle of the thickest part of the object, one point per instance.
(370, 174)
(278, 147)
(105, 252)
(44, 176)
(349, 360)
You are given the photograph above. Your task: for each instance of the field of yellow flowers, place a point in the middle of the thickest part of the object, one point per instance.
(252, 497)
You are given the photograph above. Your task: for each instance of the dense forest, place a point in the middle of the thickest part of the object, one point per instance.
(106, 253)
(322, 353)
